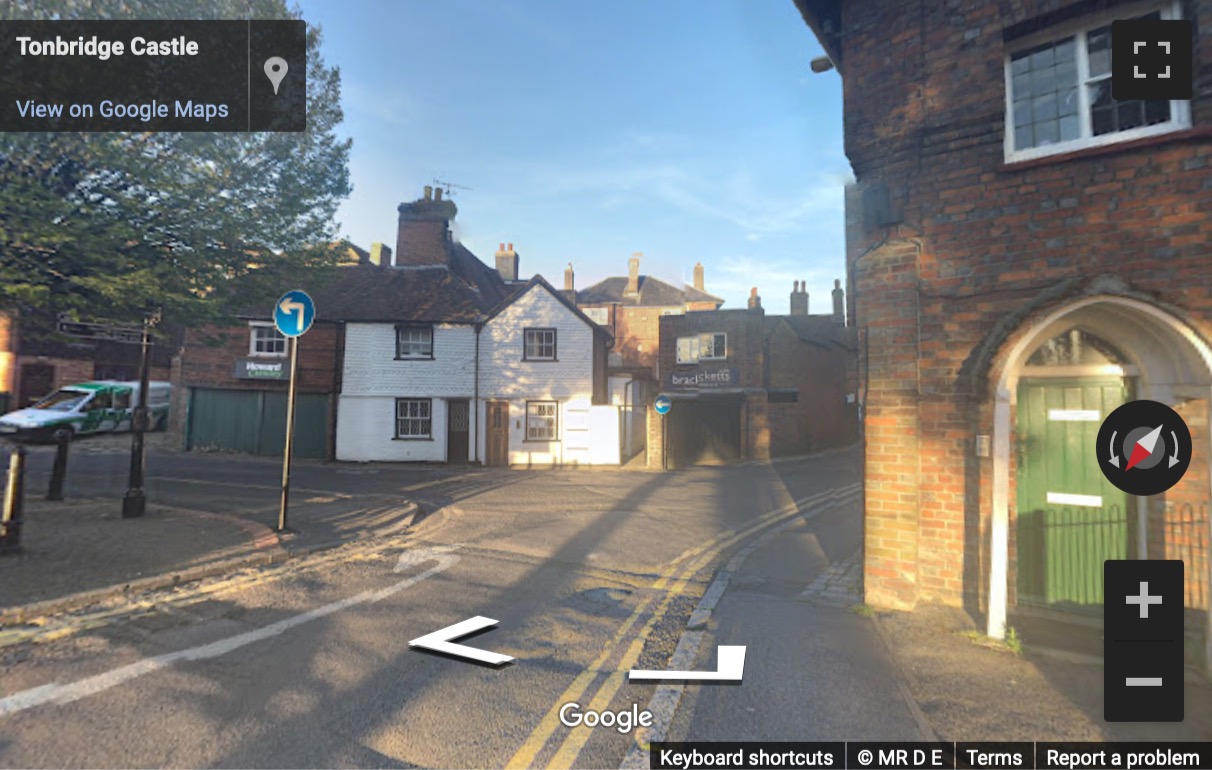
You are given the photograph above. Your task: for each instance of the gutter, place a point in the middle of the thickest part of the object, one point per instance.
(475, 415)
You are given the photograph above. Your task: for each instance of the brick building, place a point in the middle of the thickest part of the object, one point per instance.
(632, 306)
(1024, 253)
(35, 361)
(748, 385)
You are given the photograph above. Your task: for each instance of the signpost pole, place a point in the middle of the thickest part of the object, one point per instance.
(135, 503)
(290, 431)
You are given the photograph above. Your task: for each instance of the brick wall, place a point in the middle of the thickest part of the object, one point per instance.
(208, 359)
(979, 241)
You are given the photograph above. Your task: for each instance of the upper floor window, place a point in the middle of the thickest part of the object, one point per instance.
(414, 342)
(599, 315)
(712, 346)
(1058, 95)
(540, 345)
(265, 340)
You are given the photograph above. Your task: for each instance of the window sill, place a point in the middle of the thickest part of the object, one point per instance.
(414, 358)
(540, 360)
(1187, 134)
(267, 355)
(412, 438)
(540, 441)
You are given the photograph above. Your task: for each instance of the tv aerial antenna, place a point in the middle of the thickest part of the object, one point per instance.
(448, 186)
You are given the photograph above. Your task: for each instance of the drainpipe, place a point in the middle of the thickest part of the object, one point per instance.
(475, 414)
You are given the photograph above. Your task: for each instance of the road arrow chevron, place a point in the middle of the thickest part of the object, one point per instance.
(440, 641)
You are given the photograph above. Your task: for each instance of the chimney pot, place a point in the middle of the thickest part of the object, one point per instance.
(799, 298)
(698, 276)
(510, 249)
(839, 303)
(633, 273)
(755, 302)
(428, 193)
(568, 275)
(437, 193)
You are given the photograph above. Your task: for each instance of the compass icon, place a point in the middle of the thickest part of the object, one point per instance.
(1144, 447)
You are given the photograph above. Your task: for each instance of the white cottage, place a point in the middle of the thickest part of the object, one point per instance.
(445, 360)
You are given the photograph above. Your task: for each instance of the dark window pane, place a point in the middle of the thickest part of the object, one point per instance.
(1022, 86)
(1047, 132)
(1044, 57)
(1103, 120)
(1020, 63)
(1156, 112)
(1023, 138)
(1100, 94)
(1022, 113)
(1043, 81)
(1129, 115)
(1044, 107)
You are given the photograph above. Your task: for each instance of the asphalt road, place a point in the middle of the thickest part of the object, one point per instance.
(589, 573)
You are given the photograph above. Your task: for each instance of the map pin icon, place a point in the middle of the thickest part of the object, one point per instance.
(275, 70)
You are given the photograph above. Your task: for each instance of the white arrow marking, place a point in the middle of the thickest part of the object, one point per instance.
(1174, 458)
(289, 307)
(55, 693)
(439, 641)
(729, 669)
(1114, 456)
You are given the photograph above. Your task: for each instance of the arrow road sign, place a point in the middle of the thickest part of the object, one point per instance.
(440, 641)
(729, 669)
(294, 312)
(662, 404)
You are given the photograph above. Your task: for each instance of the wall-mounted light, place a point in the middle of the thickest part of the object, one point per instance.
(821, 64)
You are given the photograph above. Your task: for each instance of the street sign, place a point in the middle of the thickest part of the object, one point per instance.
(662, 404)
(294, 312)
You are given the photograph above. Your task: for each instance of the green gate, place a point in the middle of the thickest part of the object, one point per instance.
(254, 422)
(1070, 518)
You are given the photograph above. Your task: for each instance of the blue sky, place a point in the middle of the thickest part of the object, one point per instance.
(689, 131)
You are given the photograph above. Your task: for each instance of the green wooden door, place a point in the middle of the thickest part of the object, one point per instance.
(1070, 518)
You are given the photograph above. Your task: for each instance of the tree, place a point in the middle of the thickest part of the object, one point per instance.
(106, 225)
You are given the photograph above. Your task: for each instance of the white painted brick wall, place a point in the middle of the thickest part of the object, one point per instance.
(366, 430)
(505, 375)
(371, 368)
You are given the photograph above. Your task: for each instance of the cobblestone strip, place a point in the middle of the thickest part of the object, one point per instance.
(840, 585)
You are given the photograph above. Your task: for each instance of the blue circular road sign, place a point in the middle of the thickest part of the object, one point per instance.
(662, 404)
(293, 313)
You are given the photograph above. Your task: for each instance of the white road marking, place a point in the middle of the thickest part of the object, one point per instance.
(59, 694)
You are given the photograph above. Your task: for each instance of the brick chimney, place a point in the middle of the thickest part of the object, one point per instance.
(380, 254)
(424, 235)
(839, 304)
(799, 299)
(633, 274)
(755, 302)
(570, 290)
(507, 263)
(698, 276)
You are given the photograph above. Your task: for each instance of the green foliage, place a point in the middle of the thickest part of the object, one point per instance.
(1013, 642)
(199, 224)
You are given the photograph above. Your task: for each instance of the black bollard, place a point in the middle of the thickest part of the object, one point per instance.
(59, 471)
(14, 498)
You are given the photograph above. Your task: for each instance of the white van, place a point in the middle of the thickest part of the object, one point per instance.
(89, 407)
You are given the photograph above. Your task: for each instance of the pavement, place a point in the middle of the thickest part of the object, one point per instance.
(821, 665)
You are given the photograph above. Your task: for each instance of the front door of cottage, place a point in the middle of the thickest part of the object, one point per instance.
(498, 433)
(458, 428)
(1070, 518)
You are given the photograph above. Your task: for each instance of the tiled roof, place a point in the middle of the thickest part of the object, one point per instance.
(465, 292)
(819, 330)
(653, 293)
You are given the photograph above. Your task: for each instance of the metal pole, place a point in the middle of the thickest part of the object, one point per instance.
(14, 498)
(290, 432)
(664, 446)
(134, 503)
(59, 471)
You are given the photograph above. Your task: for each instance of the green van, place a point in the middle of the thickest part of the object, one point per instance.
(90, 407)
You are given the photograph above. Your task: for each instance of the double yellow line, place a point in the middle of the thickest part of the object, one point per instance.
(669, 585)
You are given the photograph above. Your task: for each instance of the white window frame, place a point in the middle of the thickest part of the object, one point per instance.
(413, 328)
(554, 417)
(595, 313)
(418, 418)
(690, 349)
(253, 327)
(1180, 111)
